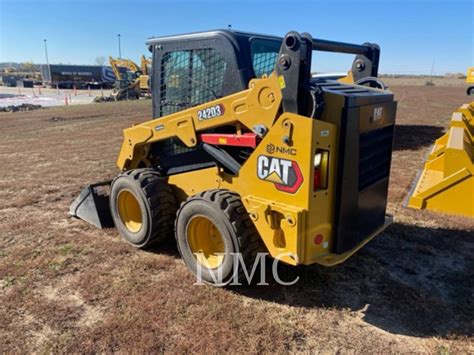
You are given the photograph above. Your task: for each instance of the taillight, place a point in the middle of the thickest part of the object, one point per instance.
(320, 177)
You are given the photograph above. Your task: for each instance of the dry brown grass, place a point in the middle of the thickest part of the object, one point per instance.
(448, 81)
(66, 286)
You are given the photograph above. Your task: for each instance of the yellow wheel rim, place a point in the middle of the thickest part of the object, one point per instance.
(206, 242)
(129, 211)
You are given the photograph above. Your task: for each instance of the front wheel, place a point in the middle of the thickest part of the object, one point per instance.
(470, 91)
(143, 207)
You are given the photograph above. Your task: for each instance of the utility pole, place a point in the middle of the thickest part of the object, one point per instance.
(46, 51)
(120, 50)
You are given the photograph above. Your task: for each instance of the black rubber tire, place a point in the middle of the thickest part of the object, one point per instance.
(225, 209)
(157, 204)
(470, 91)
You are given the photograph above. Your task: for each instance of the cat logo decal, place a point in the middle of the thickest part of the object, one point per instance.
(285, 174)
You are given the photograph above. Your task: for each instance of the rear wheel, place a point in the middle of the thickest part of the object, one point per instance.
(143, 207)
(470, 91)
(211, 230)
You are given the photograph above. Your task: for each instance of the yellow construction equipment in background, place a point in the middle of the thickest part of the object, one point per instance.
(447, 182)
(134, 82)
(470, 80)
(145, 67)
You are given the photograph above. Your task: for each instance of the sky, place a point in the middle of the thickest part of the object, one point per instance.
(415, 36)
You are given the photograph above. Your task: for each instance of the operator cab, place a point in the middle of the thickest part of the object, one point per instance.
(195, 68)
(192, 69)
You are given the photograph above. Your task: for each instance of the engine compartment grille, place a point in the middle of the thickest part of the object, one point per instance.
(375, 151)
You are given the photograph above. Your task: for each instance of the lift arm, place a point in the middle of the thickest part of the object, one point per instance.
(255, 108)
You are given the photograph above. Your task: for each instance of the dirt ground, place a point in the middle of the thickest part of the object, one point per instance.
(67, 287)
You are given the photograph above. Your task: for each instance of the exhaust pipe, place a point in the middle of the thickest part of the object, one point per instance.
(92, 205)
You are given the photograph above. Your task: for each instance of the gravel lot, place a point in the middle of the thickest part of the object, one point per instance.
(47, 97)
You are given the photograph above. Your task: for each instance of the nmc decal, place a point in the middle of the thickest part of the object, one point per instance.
(285, 174)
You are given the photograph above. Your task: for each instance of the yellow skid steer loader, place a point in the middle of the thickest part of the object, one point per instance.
(248, 152)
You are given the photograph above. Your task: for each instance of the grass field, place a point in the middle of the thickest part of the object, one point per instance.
(67, 287)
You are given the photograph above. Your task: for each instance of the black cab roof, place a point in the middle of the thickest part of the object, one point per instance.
(229, 33)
